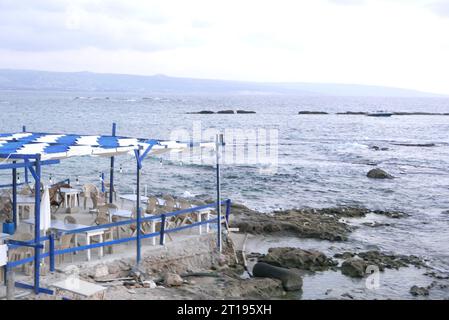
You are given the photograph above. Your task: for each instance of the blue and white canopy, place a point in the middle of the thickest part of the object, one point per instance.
(59, 146)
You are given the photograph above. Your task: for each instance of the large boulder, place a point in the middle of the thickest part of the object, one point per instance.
(354, 267)
(310, 260)
(378, 174)
(291, 281)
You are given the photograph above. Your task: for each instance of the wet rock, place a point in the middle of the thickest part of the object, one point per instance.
(291, 281)
(419, 291)
(226, 112)
(377, 148)
(301, 223)
(347, 295)
(344, 255)
(354, 267)
(383, 260)
(437, 275)
(312, 112)
(101, 271)
(310, 260)
(348, 212)
(445, 212)
(173, 280)
(415, 144)
(378, 174)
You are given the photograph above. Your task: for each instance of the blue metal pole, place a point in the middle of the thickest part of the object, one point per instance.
(111, 175)
(14, 196)
(219, 139)
(37, 224)
(138, 205)
(26, 175)
(51, 240)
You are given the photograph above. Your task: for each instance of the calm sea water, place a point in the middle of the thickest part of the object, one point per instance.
(323, 159)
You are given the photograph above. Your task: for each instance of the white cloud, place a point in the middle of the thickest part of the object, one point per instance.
(400, 43)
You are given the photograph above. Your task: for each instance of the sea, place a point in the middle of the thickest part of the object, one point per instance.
(314, 161)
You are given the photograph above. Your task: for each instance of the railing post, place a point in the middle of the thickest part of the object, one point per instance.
(162, 232)
(37, 222)
(102, 182)
(51, 240)
(218, 143)
(138, 204)
(14, 196)
(111, 174)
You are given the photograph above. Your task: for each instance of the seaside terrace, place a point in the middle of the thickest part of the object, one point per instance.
(42, 224)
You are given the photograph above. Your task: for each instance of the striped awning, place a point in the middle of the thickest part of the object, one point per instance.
(59, 146)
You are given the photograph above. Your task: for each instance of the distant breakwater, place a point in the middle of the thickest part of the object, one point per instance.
(356, 113)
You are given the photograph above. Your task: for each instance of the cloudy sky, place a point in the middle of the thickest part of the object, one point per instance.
(401, 43)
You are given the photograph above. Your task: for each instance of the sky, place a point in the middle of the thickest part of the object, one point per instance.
(399, 43)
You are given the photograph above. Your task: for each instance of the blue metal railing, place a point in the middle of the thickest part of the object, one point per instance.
(161, 217)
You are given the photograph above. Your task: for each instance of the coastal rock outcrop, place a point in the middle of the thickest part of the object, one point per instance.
(378, 174)
(310, 260)
(312, 112)
(301, 223)
(226, 112)
(202, 112)
(355, 263)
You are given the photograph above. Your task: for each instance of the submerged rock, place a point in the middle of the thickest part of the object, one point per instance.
(419, 291)
(378, 174)
(310, 260)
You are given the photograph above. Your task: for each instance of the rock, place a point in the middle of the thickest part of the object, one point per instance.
(173, 280)
(348, 212)
(376, 224)
(445, 212)
(114, 269)
(245, 112)
(226, 112)
(378, 174)
(291, 281)
(101, 271)
(306, 223)
(347, 295)
(383, 260)
(419, 291)
(344, 255)
(310, 260)
(415, 144)
(312, 112)
(354, 267)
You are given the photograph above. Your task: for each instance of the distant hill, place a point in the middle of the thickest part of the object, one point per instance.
(88, 81)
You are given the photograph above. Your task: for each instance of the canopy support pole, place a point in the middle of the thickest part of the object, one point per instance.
(14, 196)
(138, 241)
(111, 175)
(218, 143)
(37, 221)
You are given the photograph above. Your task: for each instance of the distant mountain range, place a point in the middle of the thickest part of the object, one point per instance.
(92, 82)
